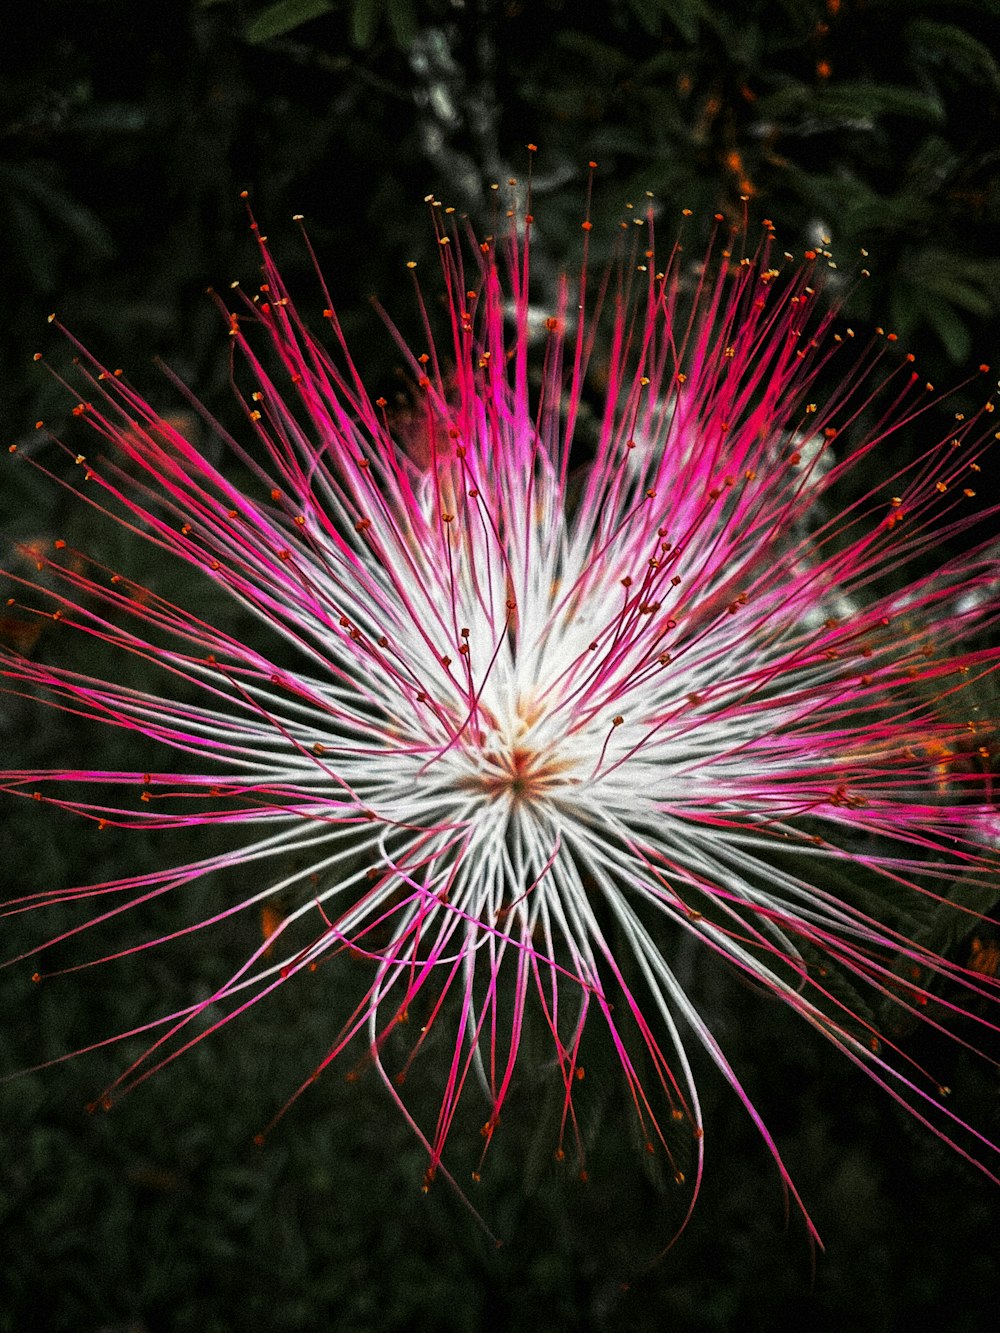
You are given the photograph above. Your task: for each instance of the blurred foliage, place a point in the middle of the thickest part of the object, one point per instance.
(124, 145)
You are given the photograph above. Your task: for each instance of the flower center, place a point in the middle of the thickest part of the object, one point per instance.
(521, 774)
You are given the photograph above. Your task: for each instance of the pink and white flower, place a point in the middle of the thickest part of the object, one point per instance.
(601, 643)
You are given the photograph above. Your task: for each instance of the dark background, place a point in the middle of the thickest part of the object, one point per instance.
(127, 132)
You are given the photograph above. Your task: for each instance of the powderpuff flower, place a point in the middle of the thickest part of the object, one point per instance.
(604, 643)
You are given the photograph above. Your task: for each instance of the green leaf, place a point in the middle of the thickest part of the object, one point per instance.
(955, 48)
(685, 16)
(403, 22)
(744, 42)
(31, 243)
(845, 104)
(607, 58)
(282, 17)
(364, 22)
(969, 282)
(904, 309)
(949, 327)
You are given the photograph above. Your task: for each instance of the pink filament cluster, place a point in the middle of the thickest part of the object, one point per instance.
(598, 642)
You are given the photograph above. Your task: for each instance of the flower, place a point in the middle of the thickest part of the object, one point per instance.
(602, 642)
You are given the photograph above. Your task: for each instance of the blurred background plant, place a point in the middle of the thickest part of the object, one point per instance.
(126, 135)
(123, 144)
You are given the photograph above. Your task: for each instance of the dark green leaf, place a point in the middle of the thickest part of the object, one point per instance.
(403, 22)
(949, 327)
(364, 22)
(284, 16)
(955, 48)
(851, 104)
(595, 52)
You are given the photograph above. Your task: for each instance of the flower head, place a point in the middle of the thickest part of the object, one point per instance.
(602, 641)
